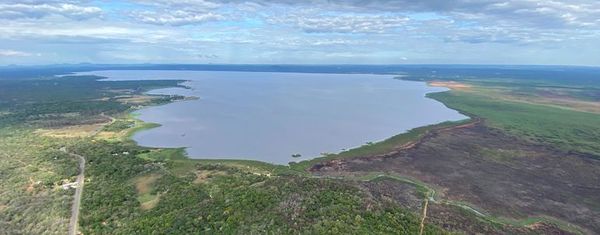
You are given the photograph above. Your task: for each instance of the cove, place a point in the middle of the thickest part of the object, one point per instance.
(269, 116)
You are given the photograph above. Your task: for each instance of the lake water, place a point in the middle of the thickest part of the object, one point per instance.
(271, 116)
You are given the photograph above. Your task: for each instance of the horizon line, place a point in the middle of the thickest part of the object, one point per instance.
(290, 64)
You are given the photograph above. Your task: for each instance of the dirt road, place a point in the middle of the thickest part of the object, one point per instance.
(422, 226)
(77, 199)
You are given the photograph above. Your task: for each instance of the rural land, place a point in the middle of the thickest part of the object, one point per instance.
(527, 161)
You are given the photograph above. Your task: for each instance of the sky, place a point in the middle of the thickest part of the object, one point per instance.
(564, 32)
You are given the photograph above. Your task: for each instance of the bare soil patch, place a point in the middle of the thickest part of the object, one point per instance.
(204, 175)
(499, 174)
(75, 131)
(450, 84)
(147, 205)
(143, 184)
(135, 99)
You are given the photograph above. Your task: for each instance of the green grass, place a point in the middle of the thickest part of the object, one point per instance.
(139, 126)
(119, 125)
(424, 190)
(146, 197)
(567, 129)
(180, 164)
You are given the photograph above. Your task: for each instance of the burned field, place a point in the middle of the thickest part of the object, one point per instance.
(498, 175)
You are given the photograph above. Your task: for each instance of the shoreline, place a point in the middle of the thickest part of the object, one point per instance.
(292, 164)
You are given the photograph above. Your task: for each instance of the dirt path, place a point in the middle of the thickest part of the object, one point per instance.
(99, 129)
(422, 226)
(74, 221)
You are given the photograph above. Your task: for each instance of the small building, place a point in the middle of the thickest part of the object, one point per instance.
(70, 185)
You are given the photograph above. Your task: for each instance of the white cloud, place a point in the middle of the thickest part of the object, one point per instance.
(77, 33)
(177, 13)
(36, 11)
(344, 23)
(538, 13)
(176, 17)
(13, 53)
(198, 4)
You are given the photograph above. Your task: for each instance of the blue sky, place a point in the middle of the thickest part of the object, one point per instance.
(563, 32)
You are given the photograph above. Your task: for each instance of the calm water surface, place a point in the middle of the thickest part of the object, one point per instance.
(270, 116)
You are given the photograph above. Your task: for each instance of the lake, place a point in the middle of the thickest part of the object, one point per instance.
(269, 116)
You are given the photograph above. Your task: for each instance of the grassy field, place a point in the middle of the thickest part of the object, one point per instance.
(567, 129)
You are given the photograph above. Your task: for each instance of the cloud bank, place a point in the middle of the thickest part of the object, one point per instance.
(312, 31)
